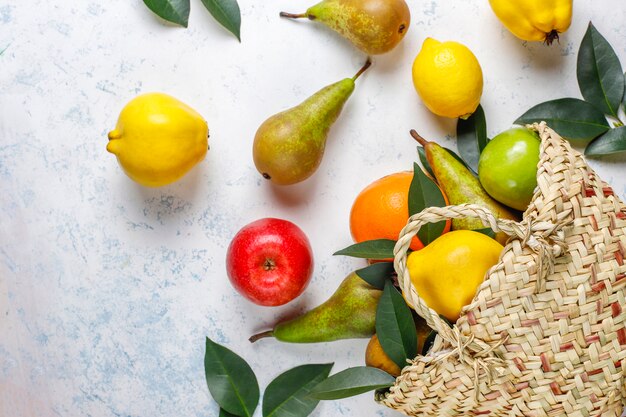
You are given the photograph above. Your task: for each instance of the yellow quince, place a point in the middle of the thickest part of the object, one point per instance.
(158, 139)
(534, 20)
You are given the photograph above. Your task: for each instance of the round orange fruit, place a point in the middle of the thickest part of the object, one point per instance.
(381, 210)
(376, 357)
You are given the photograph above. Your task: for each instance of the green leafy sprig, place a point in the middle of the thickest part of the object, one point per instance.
(226, 12)
(602, 84)
(233, 385)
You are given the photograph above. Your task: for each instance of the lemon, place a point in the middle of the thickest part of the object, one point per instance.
(448, 78)
(448, 271)
(158, 139)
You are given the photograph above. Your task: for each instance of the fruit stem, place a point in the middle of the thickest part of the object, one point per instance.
(262, 335)
(418, 138)
(293, 15)
(364, 68)
(269, 264)
(552, 36)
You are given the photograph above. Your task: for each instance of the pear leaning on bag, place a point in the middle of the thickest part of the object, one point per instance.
(462, 187)
(534, 20)
(373, 26)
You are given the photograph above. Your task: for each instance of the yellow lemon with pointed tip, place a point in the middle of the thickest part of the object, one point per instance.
(448, 78)
(158, 139)
(448, 271)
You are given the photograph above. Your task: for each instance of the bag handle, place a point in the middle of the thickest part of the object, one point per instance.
(546, 239)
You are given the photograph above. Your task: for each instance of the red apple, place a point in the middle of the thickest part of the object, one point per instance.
(270, 261)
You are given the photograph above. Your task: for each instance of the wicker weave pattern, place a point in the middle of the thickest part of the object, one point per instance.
(545, 334)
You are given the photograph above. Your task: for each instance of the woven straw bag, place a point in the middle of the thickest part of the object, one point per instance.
(544, 335)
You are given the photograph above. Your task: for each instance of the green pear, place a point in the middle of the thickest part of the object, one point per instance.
(349, 313)
(288, 147)
(461, 187)
(373, 26)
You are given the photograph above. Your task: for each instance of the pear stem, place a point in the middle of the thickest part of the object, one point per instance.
(293, 15)
(418, 138)
(364, 68)
(262, 335)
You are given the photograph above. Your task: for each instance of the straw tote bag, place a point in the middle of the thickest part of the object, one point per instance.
(545, 333)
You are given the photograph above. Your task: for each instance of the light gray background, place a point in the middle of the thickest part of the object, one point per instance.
(107, 289)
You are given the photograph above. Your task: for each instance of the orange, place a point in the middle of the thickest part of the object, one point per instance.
(376, 357)
(381, 210)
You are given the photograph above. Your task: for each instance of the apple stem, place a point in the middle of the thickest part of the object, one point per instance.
(418, 138)
(262, 335)
(269, 264)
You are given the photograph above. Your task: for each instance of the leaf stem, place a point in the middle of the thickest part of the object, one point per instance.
(364, 68)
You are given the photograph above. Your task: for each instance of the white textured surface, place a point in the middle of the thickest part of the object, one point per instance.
(107, 289)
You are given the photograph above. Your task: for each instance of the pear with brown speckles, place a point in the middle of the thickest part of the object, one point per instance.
(373, 26)
(289, 146)
(350, 313)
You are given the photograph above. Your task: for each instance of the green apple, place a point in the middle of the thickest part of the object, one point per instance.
(507, 168)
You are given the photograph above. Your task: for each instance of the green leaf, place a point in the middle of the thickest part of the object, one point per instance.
(424, 193)
(395, 326)
(613, 141)
(224, 413)
(230, 379)
(569, 117)
(376, 274)
(428, 343)
(370, 249)
(422, 156)
(458, 158)
(227, 13)
(487, 231)
(351, 382)
(175, 11)
(623, 100)
(599, 72)
(471, 137)
(288, 394)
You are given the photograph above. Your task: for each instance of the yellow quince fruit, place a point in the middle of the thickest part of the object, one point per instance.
(448, 271)
(158, 139)
(534, 20)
